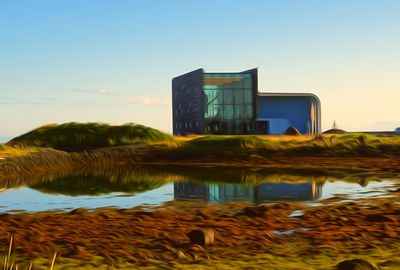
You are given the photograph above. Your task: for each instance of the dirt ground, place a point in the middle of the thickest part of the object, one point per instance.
(280, 236)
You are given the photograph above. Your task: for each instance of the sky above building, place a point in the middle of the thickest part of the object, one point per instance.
(113, 61)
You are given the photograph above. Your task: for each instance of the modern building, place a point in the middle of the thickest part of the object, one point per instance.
(230, 103)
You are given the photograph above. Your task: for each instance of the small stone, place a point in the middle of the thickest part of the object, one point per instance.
(355, 264)
(202, 237)
(79, 211)
(255, 211)
(377, 218)
(282, 206)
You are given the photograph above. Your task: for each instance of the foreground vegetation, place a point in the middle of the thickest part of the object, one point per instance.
(246, 237)
(84, 136)
(73, 146)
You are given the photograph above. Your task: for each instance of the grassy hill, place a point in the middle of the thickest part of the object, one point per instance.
(87, 135)
(358, 144)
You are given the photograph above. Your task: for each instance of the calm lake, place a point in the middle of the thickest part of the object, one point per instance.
(151, 187)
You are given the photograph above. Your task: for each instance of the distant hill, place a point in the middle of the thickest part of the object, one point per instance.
(5, 139)
(86, 135)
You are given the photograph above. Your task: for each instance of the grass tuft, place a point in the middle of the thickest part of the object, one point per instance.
(10, 263)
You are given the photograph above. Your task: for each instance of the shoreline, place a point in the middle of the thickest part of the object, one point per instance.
(245, 235)
(47, 160)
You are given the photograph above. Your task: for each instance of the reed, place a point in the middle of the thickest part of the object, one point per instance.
(9, 262)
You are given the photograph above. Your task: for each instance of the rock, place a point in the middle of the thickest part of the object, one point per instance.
(282, 206)
(79, 252)
(79, 211)
(363, 182)
(377, 218)
(356, 264)
(255, 211)
(201, 237)
(292, 131)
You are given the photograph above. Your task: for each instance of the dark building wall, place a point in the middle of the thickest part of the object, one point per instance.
(284, 111)
(188, 104)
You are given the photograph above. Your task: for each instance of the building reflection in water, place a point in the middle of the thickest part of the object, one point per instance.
(265, 192)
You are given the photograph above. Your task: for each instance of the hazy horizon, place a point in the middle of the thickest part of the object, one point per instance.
(113, 61)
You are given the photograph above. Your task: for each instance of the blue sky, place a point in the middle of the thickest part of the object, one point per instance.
(113, 61)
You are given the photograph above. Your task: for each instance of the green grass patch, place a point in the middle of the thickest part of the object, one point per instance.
(349, 144)
(82, 135)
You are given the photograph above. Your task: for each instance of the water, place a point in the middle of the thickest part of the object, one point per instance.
(126, 189)
(4, 139)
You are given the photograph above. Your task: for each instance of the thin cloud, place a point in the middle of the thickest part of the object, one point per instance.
(148, 100)
(10, 79)
(99, 91)
(104, 91)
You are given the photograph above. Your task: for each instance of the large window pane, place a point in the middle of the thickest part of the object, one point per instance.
(248, 112)
(218, 112)
(248, 97)
(228, 111)
(219, 97)
(228, 96)
(238, 97)
(247, 82)
(239, 114)
(208, 111)
(208, 96)
(238, 84)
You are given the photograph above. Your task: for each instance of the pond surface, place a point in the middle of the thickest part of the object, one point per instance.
(126, 189)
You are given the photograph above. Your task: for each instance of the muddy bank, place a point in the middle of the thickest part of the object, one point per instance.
(305, 236)
(47, 161)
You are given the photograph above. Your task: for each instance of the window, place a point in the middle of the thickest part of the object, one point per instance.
(248, 96)
(228, 96)
(228, 101)
(238, 98)
(248, 111)
(239, 112)
(247, 82)
(228, 112)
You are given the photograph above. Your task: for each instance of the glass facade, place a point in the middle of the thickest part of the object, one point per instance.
(228, 103)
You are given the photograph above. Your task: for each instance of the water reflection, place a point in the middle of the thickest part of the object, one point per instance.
(125, 188)
(265, 192)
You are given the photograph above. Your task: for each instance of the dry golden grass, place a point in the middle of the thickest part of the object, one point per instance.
(10, 262)
(8, 151)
